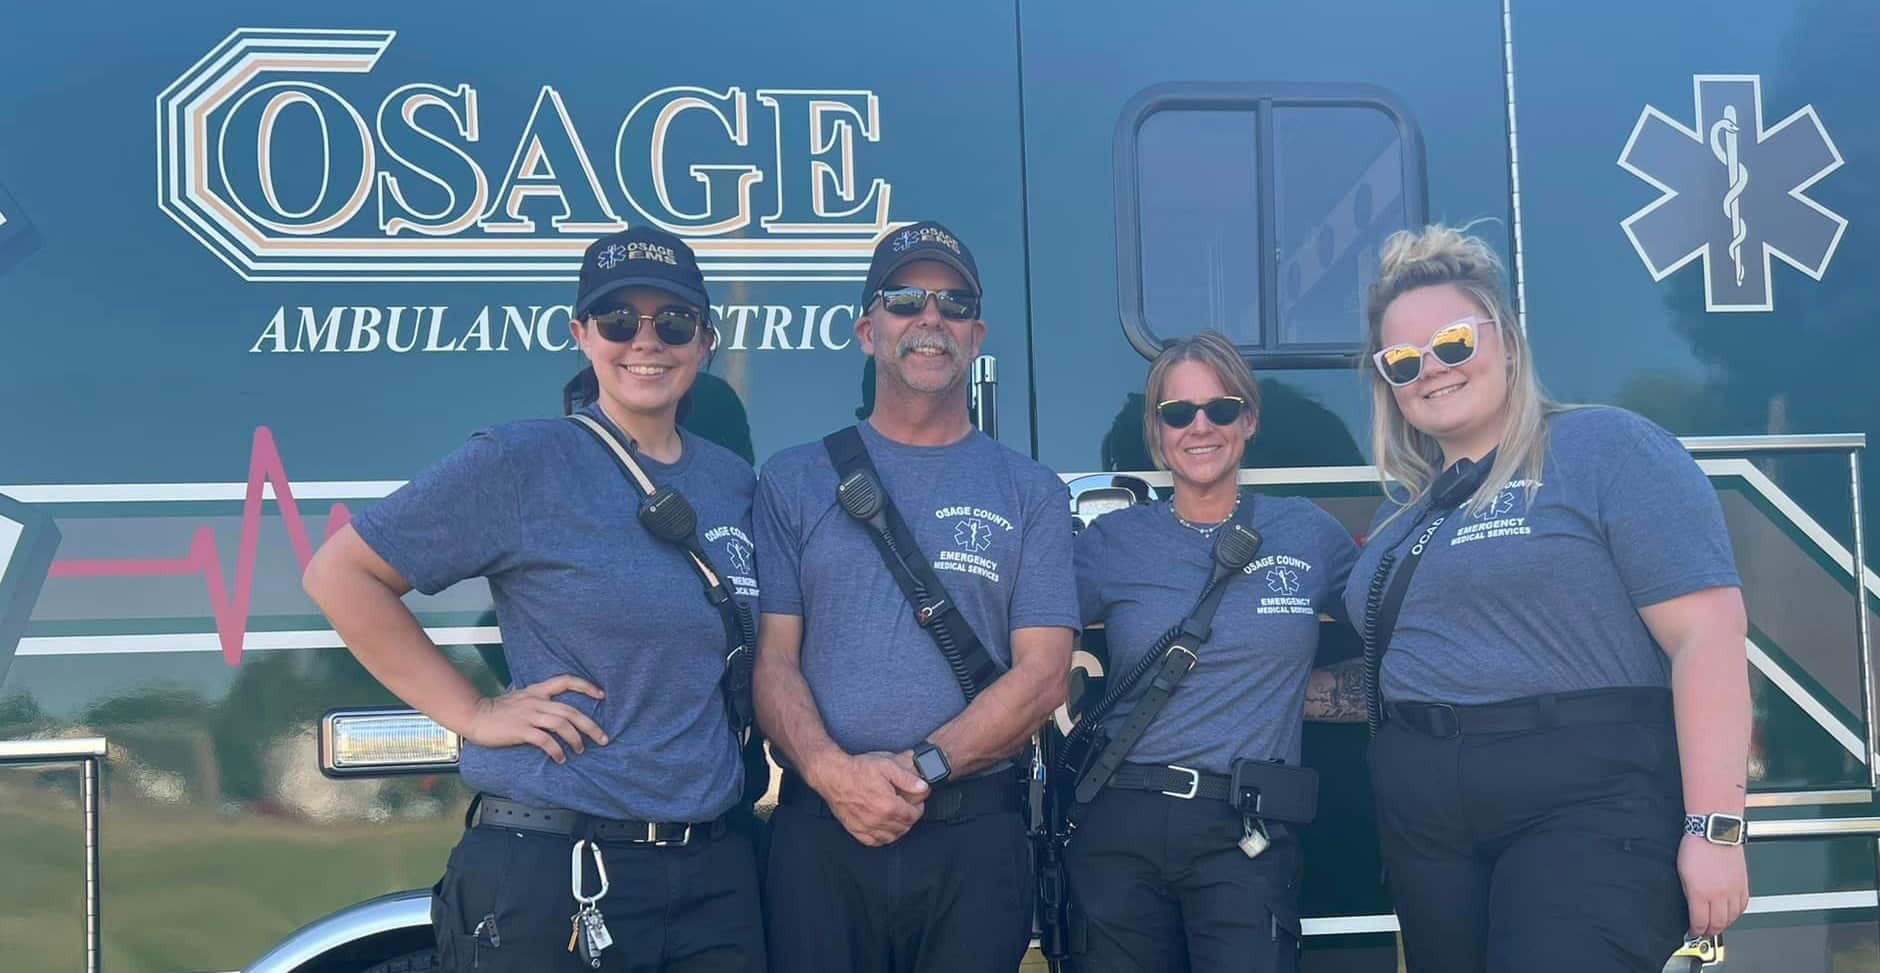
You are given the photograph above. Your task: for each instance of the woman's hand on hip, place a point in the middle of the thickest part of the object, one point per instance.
(531, 716)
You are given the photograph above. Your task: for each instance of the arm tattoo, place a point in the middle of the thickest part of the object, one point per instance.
(1335, 694)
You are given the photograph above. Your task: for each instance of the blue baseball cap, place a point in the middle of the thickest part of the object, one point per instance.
(644, 256)
(925, 240)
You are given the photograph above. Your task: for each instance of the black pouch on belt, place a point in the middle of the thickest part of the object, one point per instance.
(1275, 792)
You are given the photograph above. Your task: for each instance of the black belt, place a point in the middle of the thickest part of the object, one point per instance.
(1174, 780)
(1443, 720)
(497, 812)
(995, 793)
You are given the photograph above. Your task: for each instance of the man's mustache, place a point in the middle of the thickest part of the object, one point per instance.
(926, 341)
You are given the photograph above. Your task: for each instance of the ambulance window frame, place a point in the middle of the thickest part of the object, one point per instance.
(1259, 99)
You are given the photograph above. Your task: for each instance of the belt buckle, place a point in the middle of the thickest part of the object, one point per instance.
(653, 838)
(1453, 720)
(1194, 783)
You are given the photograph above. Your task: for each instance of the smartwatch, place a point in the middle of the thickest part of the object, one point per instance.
(1718, 829)
(930, 762)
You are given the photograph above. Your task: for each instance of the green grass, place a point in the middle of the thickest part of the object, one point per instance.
(42, 897)
(183, 890)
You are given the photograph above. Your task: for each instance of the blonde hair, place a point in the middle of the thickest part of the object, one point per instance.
(1430, 257)
(1210, 348)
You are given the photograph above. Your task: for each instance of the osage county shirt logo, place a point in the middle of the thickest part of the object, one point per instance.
(1499, 517)
(973, 530)
(1284, 577)
(738, 562)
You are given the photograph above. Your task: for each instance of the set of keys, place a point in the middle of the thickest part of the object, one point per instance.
(590, 933)
(1254, 839)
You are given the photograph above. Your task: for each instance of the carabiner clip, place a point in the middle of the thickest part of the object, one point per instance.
(600, 866)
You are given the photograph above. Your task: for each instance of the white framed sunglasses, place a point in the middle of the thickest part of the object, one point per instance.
(1453, 344)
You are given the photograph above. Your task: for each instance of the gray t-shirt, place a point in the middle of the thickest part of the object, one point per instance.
(1139, 572)
(996, 527)
(542, 510)
(1523, 599)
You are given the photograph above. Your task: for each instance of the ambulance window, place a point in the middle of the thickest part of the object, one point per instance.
(1259, 211)
(1337, 193)
(1200, 221)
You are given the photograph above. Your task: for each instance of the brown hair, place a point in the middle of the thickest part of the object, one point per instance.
(1210, 348)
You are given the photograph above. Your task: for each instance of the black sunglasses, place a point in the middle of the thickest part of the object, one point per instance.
(954, 304)
(675, 326)
(1222, 411)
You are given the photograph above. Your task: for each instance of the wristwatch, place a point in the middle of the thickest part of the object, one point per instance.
(1718, 829)
(930, 762)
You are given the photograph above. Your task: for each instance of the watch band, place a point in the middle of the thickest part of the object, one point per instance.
(1699, 825)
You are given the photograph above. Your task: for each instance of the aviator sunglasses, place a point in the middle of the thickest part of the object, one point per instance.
(675, 326)
(1222, 411)
(954, 304)
(1453, 344)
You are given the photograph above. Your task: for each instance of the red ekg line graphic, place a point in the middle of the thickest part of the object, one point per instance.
(231, 609)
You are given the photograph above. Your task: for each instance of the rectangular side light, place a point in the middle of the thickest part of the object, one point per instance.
(375, 742)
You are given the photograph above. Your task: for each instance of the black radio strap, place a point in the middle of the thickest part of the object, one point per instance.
(1177, 660)
(740, 629)
(934, 610)
(1382, 603)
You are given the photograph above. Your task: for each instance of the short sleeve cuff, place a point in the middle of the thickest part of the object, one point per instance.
(1679, 587)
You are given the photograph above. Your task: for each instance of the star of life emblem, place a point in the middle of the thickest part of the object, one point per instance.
(1501, 506)
(1282, 581)
(611, 256)
(903, 240)
(1735, 193)
(740, 556)
(972, 535)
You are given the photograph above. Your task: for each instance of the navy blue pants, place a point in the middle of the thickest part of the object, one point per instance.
(505, 906)
(1533, 852)
(1160, 885)
(949, 897)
